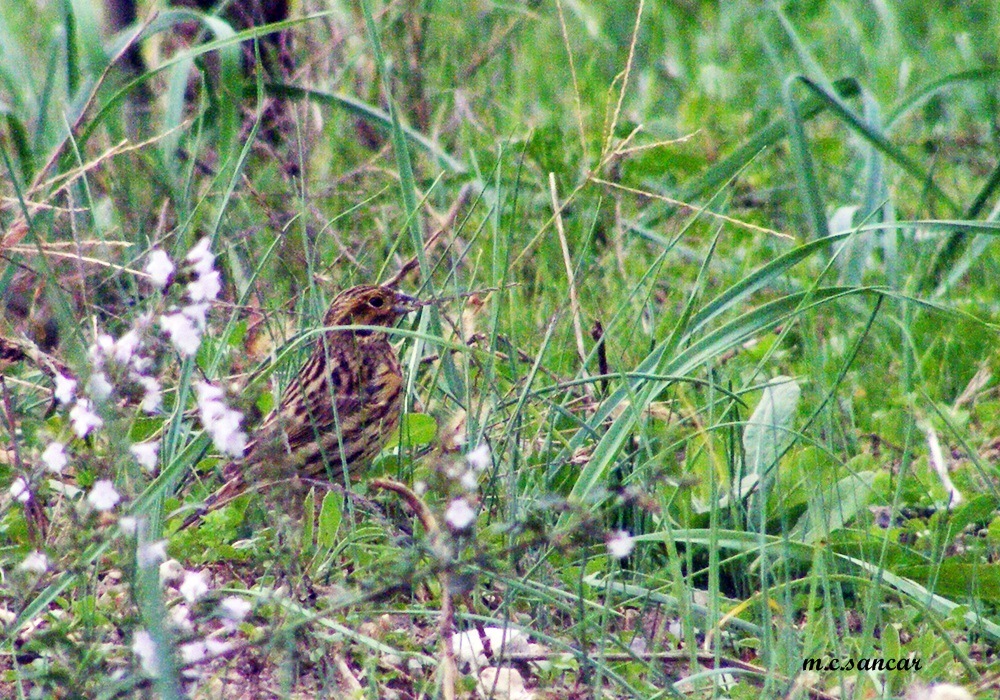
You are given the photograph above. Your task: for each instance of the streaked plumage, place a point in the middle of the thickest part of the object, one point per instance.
(340, 408)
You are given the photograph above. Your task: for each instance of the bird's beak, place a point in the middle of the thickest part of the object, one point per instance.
(404, 304)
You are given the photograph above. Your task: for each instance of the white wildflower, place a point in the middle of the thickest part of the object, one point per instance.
(221, 422)
(19, 490)
(152, 400)
(145, 454)
(151, 553)
(193, 587)
(459, 515)
(180, 617)
(54, 457)
(620, 544)
(65, 388)
(200, 256)
(234, 609)
(227, 436)
(128, 524)
(216, 647)
(83, 418)
(198, 314)
(102, 496)
(103, 348)
(171, 571)
(192, 652)
(98, 386)
(159, 268)
(205, 287)
(479, 458)
(145, 648)
(183, 332)
(126, 347)
(469, 480)
(207, 393)
(36, 563)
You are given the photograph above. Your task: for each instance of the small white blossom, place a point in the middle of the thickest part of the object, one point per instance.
(183, 332)
(145, 454)
(159, 268)
(207, 393)
(227, 436)
(221, 422)
(194, 586)
(19, 490)
(469, 480)
(36, 563)
(103, 496)
(151, 553)
(479, 458)
(197, 314)
(128, 524)
(234, 609)
(83, 418)
(98, 386)
(200, 256)
(620, 544)
(54, 457)
(459, 515)
(192, 652)
(65, 388)
(180, 617)
(145, 648)
(205, 287)
(152, 400)
(126, 347)
(216, 647)
(103, 348)
(171, 571)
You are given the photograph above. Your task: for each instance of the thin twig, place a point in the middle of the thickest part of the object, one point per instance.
(9, 420)
(447, 624)
(576, 84)
(449, 220)
(625, 76)
(702, 210)
(574, 300)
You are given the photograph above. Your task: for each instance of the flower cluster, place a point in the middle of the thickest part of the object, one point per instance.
(194, 589)
(221, 422)
(186, 325)
(460, 514)
(119, 374)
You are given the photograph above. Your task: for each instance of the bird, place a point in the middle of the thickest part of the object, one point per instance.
(339, 409)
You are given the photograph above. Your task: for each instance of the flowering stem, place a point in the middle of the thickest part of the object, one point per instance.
(449, 670)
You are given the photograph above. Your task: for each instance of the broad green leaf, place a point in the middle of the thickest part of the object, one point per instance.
(834, 507)
(330, 516)
(768, 432)
(414, 429)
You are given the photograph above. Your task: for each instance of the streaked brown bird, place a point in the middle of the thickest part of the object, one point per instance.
(340, 408)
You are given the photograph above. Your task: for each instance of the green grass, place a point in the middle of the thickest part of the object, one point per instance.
(739, 192)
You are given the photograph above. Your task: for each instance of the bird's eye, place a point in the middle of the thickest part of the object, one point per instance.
(376, 302)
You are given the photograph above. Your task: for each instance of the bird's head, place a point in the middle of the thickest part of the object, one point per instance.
(369, 306)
